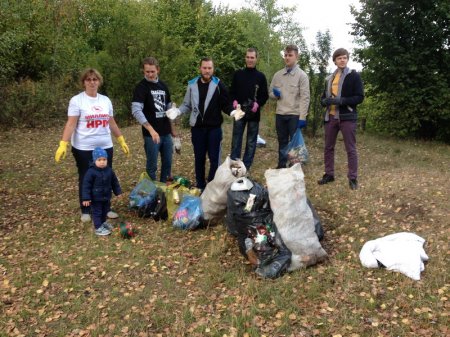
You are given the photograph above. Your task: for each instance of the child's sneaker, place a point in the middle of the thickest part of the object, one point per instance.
(108, 226)
(102, 231)
(85, 217)
(112, 215)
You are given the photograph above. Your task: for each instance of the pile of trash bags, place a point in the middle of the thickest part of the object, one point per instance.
(176, 201)
(277, 228)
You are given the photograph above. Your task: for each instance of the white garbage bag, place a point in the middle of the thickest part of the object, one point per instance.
(214, 197)
(293, 216)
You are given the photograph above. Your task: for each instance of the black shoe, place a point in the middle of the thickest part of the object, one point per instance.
(353, 183)
(325, 179)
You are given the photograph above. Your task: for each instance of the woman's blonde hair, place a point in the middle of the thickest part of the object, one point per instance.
(88, 72)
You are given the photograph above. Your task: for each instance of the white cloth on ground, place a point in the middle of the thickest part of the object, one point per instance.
(402, 252)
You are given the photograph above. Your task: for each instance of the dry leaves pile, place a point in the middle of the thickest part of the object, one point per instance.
(58, 279)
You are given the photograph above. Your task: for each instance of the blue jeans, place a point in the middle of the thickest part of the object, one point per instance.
(250, 146)
(286, 126)
(165, 146)
(206, 141)
(83, 159)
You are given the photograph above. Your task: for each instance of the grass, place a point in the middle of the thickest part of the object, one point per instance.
(58, 279)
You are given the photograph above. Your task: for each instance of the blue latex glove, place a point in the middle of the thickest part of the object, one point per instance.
(276, 92)
(301, 124)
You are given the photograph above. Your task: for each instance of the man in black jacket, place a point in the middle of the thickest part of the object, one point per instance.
(343, 93)
(151, 100)
(249, 89)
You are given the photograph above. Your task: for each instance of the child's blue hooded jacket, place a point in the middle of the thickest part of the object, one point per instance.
(98, 183)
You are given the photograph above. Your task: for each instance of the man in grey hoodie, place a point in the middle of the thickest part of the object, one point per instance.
(205, 99)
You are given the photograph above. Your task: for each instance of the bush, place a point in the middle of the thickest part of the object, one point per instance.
(35, 104)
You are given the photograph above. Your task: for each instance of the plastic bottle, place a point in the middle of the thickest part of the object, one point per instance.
(182, 181)
(176, 197)
(251, 254)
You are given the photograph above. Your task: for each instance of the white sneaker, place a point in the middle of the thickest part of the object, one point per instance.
(85, 217)
(112, 215)
(108, 226)
(102, 231)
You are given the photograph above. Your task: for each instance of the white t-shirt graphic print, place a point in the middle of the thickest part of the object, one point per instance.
(93, 123)
(159, 97)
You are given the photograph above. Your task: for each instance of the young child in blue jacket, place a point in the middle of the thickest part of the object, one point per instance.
(98, 184)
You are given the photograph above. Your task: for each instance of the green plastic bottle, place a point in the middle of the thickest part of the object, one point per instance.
(182, 181)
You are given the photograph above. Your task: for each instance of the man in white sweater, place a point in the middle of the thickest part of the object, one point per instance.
(290, 87)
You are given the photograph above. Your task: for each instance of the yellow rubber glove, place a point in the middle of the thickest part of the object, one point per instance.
(62, 150)
(124, 145)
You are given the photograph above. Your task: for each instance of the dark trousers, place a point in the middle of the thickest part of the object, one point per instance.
(83, 159)
(99, 209)
(348, 130)
(286, 126)
(206, 141)
(236, 141)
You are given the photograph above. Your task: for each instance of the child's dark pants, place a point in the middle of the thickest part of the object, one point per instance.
(99, 209)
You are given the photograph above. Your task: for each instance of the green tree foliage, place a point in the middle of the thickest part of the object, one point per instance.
(320, 56)
(261, 37)
(45, 44)
(283, 29)
(222, 38)
(405, 54)
(39, 54)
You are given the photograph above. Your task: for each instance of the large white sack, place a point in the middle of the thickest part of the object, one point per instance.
(214, 197)
(293, 217)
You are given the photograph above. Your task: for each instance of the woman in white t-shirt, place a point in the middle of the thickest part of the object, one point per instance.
(89, 125)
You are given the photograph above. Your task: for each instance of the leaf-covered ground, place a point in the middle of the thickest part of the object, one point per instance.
(59, 279)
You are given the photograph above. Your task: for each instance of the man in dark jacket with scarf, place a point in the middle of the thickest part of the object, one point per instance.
(205, 99)
(249, 89)
(343, 93)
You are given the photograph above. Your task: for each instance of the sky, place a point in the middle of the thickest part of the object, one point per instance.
(315, 15)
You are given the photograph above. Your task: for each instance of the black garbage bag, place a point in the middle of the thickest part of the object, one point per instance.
(317, 223)
(155, 208)
(250, 220)
(247, 201)
(273, 257)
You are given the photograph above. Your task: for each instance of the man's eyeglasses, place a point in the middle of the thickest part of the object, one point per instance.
(93, 79)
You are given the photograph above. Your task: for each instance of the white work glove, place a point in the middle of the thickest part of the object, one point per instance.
(238, 113)
(173, 112)
(176, 144)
